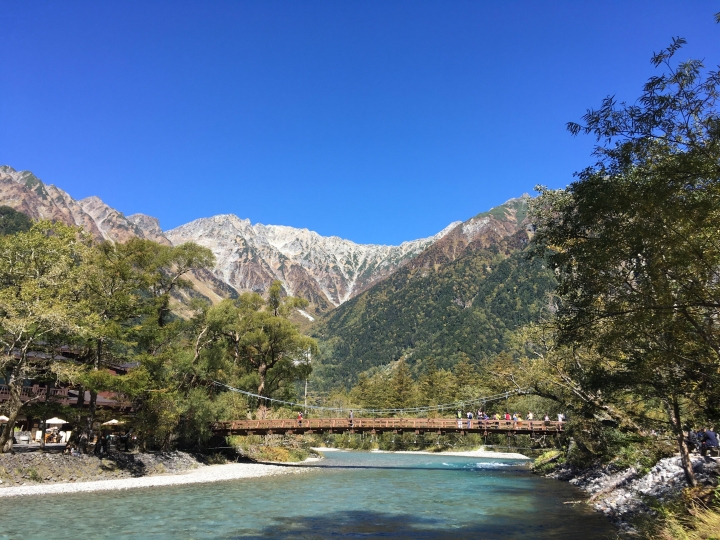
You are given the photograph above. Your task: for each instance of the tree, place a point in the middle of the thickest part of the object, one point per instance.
(126, 291)
(402, 387)
(272, 345)
(436, 386)
(260, 339)
(634, 242)
(12, 221)
(39, 291)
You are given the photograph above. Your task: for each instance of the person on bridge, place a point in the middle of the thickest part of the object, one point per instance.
(530, 415)
(507, 416)
(352, 424)
(459, 418)
(300, 418)
(469, 417)
(547, 417)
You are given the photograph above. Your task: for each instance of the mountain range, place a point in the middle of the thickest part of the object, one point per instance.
(327, 271)
(460, 294)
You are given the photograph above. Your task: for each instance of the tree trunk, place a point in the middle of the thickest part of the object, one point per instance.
(81, 398)
(6, 439)
(262, 372)
(43, 431)
(14, 383)
(673, 411)
(90, 419)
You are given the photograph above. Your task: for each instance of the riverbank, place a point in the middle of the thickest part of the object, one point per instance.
(45, 474)
(628, 495)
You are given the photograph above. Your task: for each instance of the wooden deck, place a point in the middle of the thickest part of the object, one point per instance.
(440, 426)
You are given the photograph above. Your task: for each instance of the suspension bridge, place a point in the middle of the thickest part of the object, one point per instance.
(440, 426)
(375, 421)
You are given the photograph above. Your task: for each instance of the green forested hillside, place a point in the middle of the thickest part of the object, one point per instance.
(467, 308)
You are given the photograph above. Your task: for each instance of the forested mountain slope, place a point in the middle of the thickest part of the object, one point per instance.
(459, 298)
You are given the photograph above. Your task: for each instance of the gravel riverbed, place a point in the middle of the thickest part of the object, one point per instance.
(623, 494)
(45, 474)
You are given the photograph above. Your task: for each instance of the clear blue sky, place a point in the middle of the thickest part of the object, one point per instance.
(377, 121)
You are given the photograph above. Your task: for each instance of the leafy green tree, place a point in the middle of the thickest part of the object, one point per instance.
(39, 290)
(402, 387)
(634, 243)
(264, 347)
(126, 306)
(372, 392)
(273, 345)
(436, 386)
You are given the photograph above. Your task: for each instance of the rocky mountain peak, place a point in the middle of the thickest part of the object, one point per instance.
(327, 270)
(149, 227)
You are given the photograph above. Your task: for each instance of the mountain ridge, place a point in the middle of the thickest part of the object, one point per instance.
(326, 270)
(462, 298)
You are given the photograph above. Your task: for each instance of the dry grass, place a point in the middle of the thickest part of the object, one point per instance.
(700, 524)
(694, 516)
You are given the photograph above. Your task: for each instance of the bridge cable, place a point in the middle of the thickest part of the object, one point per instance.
(453, 405)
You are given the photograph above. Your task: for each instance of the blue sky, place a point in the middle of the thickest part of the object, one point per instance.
(377, 121)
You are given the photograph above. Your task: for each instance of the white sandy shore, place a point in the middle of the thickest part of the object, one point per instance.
(211, 473)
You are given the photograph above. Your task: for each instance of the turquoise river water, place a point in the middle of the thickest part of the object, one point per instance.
(347, 495)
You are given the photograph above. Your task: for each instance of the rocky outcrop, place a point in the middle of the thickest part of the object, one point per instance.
(150, 228)
(623, 494)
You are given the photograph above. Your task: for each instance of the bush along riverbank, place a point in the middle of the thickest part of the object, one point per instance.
(646, 502)
(274, 448)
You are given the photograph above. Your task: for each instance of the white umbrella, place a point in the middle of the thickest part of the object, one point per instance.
(3, 419)
(112, 422)
(55, 420)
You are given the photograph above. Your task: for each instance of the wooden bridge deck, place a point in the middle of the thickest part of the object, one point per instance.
(383, 425)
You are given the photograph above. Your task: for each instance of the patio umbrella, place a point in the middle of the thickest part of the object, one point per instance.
(3, 419)
(112, 422)
(55, 420)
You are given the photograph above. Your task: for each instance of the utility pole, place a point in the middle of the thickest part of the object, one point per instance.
(309, 359)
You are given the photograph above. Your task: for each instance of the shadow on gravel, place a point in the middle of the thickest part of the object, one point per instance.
(125, 462)
(365, 524)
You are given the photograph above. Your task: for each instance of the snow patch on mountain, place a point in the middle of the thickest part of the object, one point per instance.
(306, 314)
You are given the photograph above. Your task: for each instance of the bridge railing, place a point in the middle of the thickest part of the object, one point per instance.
(387, 424)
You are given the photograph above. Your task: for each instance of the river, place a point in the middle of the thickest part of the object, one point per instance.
(347, 495)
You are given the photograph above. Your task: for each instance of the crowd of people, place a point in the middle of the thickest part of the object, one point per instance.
(704, 440)
(515, 417)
